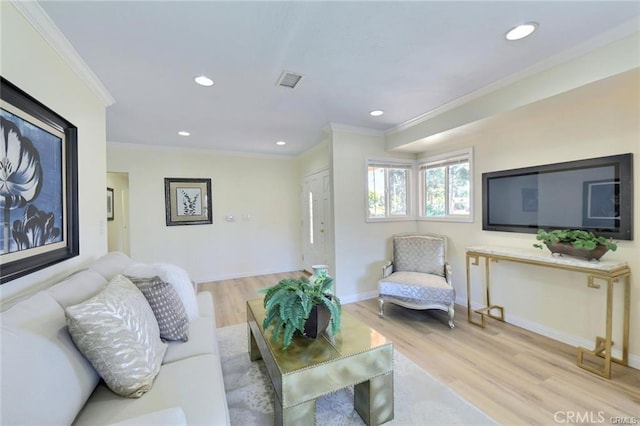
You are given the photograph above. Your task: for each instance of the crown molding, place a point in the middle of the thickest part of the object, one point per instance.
(42, 23)
(336, 127)
(624, 30)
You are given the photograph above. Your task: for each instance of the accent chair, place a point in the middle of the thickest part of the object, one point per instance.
(419, 276)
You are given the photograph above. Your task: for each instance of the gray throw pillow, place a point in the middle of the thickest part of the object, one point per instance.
(166, 306)
(118, 333)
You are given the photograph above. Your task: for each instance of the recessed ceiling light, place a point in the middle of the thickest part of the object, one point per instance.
(183, 133)
(203, 80)
(281, 143)
(376, 113)
(521, 31)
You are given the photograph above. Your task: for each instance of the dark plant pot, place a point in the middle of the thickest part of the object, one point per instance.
(317, 322)
(568, 249)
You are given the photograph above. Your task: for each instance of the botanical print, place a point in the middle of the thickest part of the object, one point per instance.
(189, 202)
(31, 202)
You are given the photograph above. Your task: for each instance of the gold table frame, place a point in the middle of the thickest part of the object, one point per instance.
(608, 271)
(358, 355)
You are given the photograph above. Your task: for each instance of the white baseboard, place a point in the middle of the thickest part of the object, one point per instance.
(569, 339)
(352, 298)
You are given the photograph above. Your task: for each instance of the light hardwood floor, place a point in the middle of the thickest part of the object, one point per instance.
(515, 376)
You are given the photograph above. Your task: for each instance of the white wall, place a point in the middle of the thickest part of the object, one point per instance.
(361, 248)
(29, 62)
(599, 119)
(262, 193)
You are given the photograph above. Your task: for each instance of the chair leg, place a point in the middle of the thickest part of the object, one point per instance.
(380, 307)
(451, 314)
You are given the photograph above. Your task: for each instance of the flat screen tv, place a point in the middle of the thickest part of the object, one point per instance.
(594, 194)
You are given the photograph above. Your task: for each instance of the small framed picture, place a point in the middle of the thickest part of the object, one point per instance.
(188, 201)
(109, 203)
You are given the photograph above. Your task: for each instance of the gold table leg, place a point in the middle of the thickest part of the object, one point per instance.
(604, 345)
(301, 414)
(373, 399)
(487, 310)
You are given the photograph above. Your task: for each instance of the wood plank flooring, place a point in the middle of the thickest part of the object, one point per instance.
(515, 376)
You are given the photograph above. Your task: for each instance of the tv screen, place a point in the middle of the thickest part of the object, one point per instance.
(593, 194)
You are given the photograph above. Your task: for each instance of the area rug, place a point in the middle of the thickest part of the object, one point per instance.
(419, 398)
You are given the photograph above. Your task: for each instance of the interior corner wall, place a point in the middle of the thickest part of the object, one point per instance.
(599, 119)
(30, 63)
(361, 248)
(256, 211)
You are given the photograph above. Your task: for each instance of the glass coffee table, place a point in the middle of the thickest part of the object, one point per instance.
(357, 355)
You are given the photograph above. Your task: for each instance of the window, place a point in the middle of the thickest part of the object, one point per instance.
(446, 187)
(388, 189)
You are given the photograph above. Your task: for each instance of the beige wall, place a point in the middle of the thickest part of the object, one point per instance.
(599, 119)
(361, 248)
(262, 193)
(29, 62)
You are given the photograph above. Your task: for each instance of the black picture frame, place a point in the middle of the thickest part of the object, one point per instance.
(188, 201)
(110, 212)
(49, 144)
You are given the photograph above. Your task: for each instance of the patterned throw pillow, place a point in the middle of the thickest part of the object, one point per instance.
(166, 306)
(118, 333)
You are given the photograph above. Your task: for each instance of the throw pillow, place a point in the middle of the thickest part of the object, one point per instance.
(118, 333)
(179, 279)
(166, 306)
(140, 270)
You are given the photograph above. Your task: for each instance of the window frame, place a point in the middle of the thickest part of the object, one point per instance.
(444, 158)
(391, 163)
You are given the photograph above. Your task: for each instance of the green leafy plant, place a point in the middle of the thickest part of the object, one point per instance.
(577, 238)
(288, 305)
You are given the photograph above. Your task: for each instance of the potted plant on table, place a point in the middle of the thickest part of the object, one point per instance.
(301, 306)
(575, 242)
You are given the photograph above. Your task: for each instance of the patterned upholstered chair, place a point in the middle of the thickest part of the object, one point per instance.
(419, 276)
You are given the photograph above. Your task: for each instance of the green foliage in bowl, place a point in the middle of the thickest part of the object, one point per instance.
(577, 238)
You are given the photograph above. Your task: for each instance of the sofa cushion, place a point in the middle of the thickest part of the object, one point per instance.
(167, 307)
(169, 417)
(194, 384)
(202, 341)
(77, 288)
(45, 379)
(111, 264)
(117, 331)
(205, 305)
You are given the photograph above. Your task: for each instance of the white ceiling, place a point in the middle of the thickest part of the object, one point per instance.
(404, 57)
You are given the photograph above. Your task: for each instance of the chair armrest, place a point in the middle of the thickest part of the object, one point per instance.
(447, 273)
(387, 269)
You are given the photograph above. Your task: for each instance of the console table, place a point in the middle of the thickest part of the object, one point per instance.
(604, 271)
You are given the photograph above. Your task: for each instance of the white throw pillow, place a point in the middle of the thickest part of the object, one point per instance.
(118, 333)
(179, 279)
(140, 270)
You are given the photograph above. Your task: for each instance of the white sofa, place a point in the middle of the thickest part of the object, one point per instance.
(46, 380)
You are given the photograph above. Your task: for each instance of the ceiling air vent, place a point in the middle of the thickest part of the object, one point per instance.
(289, 79)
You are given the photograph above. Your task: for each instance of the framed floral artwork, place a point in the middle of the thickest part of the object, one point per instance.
(188, 201)
(38, 185)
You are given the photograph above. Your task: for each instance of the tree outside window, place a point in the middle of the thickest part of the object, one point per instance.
(388, 186)
(446, 188)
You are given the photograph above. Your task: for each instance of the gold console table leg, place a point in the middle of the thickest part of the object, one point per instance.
(487, 311)
(604, 345)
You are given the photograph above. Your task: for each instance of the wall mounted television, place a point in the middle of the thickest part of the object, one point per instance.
(595, 194)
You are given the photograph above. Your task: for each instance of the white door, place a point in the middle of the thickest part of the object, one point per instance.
(317, 228)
